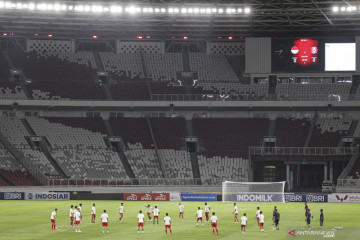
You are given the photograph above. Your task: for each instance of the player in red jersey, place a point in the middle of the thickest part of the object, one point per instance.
(167, 221)
(52, 219)
(214, 223)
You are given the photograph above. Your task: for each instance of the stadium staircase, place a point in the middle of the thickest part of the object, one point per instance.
(99, 63)
(2, 179)
(158, 155)
(272, 124)
(186, 61)
(353, 90)
(28, 165)
(193, 155)
(235, 62)
(349, 167)
(8, 59)
(45, 149)
(107, 91)
(26, 91)
(143, 65)
(120, 151)
(312, 127)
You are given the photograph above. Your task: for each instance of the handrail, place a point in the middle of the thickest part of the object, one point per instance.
(141, 182)
(302, 151)
(350, 165)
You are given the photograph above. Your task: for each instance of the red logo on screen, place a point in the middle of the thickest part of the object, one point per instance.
(305, 52)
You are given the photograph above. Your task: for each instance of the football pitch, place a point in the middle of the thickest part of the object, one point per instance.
(31, 220)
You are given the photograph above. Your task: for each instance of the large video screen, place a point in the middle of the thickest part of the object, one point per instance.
(313, 55)
(340, 56)
(297, 55)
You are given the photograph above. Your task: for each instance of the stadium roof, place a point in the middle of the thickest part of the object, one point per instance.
(163, 19)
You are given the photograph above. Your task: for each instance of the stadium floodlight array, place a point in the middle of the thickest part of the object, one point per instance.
(253, 191)
(345, 9)
(119, 9)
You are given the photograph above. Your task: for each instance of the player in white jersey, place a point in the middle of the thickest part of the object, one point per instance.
(207, 211)
(243, 223)
(156, 212)
(214, 223)
(52, 219)
(261, 221)
(72, 215)
(236, 213)
(181, 212)
(77, 216)
(121, 211)
(80, 209)
(93, 213)
(167, 221)
(258, 215)
(198, 217)
(140, 218)
(148, 211)
(105, 221)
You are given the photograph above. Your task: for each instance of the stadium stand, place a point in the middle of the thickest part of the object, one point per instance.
(212, 67)
(11, 91)
(66, 90)
(124, 66)
(166, 88)
(168, 132)
(19, 178)
(64, 137)
(219, 169)
(328, 132)
(291, 132)
(52, 67)
(163, 67)
(94, 124)
(90, 163)
(243, 91)
(130, 90)
(313, 91)
(230, 137)
(132, 130)
(177, 163)
(143, 162)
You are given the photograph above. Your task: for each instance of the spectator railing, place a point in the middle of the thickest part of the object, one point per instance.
(254, 97)
(348, 183)
(138, 182)
(301, 151)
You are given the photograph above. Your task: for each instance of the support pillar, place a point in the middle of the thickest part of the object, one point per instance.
(325, 172)
(331, 170)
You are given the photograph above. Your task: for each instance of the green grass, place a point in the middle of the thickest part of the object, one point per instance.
(31, 220)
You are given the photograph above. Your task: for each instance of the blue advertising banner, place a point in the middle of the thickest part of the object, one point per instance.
(200, 197)
(12, 196)
(306, 197)
(256, 197)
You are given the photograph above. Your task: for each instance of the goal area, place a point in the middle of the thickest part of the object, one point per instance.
(253, 191)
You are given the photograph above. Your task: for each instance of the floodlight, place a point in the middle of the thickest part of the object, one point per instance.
(19, 6)
(208, 10)
(190, 10)
(157, 10)
(163, 10)
(57, 7)
(196, 10)
(220, 10)
(343, 9)
(240, 10)
(2, 4)
(247, 10)
(183, 10)
(63, 7)
(176, 10)
(335, 9)
(170, 10)
(349, 9)
(115, 9)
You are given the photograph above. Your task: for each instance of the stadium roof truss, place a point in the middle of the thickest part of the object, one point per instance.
(264, 18)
